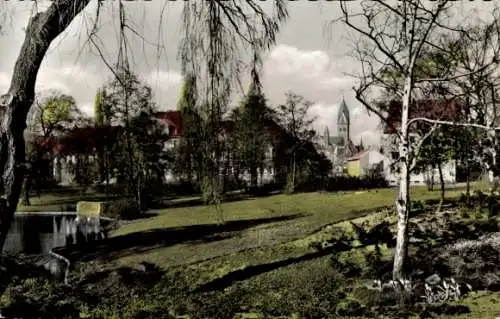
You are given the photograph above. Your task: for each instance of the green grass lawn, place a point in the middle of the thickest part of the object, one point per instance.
(263, 240)
(321, 207)
(483, 305)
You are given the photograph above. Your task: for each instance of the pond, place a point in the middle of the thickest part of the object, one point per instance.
(34, 234)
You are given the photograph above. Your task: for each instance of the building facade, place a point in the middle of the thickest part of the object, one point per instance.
(442, 109)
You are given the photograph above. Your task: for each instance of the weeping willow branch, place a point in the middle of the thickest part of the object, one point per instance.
(218, 35)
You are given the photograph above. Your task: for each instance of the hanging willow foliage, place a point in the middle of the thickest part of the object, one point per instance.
(221, 40)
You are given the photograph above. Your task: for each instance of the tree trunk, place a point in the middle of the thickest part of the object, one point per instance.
(106, 173)
(402, 202)
(253, 176)
(492, 168)
(42, 29)
(430, 178)
(467, 182)
(441, 181)
(27, 188)
(433, 168)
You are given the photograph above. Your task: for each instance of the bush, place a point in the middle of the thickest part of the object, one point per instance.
(124, 209)
(343, 183)
(265, 189)
(182, 188)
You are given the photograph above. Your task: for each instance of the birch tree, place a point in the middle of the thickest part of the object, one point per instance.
(393, 38)
(215, 35)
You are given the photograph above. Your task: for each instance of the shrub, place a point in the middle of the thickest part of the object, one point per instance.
(352, 183)
(182, 188)
(266, 189)
(124, 209)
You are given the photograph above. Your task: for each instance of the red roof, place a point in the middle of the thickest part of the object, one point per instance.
(173, 119)
(444, 109)
(357, 156)
(82, 139)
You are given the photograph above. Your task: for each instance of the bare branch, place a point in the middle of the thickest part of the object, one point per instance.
(418, 147)
(440, 122)
(452, 78)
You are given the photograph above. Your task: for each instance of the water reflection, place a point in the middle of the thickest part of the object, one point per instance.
(37, 234)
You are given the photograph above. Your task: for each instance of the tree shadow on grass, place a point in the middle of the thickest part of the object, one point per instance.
(251, 271)
(140, 242)
(179, 202)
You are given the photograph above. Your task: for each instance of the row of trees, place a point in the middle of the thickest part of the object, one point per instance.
(256, 137)
(127, 141)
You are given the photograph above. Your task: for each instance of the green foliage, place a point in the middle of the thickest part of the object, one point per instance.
(123, 209)
(56, 109)
(138, 154)
(250, 140)
(146, 309)
(36, 297)
(295, 153)
(101, 109)
(127, 97)
(187, 100)
(84, 170)
(188, 155)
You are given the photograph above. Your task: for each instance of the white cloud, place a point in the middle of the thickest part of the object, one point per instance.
(165, 78)
(368, 136)
(343, 83)
(320, 79)
(82, 84)
(290, 60)
(166, 87)
(74, 80)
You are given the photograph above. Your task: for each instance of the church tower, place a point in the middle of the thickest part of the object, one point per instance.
(343, 123)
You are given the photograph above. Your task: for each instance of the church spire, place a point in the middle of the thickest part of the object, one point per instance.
(343, 116)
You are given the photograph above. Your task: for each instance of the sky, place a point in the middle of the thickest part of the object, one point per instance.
(311, 58)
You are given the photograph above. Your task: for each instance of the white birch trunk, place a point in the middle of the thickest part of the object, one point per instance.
(402, 202)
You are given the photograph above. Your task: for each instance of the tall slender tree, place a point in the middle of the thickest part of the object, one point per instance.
(251, 139)
(102, 117)
(293, 116)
